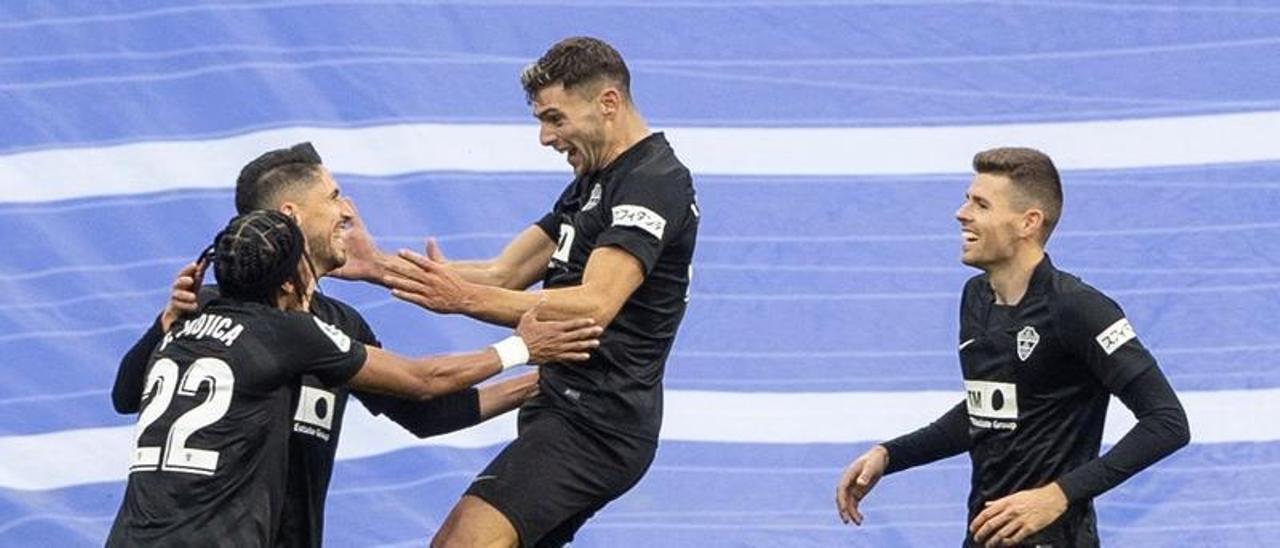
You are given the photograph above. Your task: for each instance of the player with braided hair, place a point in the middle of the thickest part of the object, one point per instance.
(210, 461)
(294, 181)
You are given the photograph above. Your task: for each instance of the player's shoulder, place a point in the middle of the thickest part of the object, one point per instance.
(344, 317)
(656, 163)
(1073, 298)
(333, 310)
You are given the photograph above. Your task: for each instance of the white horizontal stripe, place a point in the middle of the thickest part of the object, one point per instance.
(503, 148)
(55, 460)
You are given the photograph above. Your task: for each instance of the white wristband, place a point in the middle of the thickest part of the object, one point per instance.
(511, 352)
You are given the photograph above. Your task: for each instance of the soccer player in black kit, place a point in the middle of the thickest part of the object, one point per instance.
(295, 181)
(210, 461)
(617, 246)
(1041, 352)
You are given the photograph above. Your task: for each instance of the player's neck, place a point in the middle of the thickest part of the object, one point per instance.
(629, 129)
(1009, 280)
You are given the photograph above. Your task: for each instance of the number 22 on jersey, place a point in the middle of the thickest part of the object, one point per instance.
(163, 385)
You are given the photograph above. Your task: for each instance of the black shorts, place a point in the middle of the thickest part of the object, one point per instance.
(557, 474)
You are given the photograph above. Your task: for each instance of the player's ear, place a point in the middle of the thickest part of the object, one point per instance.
(1032, 223)
(290, 209)
(610, 100)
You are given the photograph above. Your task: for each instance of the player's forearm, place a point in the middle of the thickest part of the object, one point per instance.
(449, 373)
(502, 397)
(504, 306)
(477, 272)
(1161, 429)
(946, 437)
(126, 393)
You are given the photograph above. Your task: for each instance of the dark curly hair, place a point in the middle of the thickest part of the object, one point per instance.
(576, 61)
(255, 254)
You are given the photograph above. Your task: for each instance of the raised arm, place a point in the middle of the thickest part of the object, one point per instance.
(520, 264)
(610, 277)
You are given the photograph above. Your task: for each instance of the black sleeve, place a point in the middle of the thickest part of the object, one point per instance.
(126, 393)
(946, 437)
(1096, 329)
(427, 418)
(647, 214)
(1162, 429)
(318, 348)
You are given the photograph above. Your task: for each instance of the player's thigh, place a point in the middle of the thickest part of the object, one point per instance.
(474, 523)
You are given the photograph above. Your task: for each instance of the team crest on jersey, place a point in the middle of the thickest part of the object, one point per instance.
(594, 199)
(1027, 341)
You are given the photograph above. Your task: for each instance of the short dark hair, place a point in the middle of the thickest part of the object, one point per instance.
(264, 180)
(576, 61)
(256, 253)
(1033, 176)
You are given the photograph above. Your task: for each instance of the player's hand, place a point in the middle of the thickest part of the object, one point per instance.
(418, 279)
(365, 262)
(432, 248)
(557, 341)
(1010, 520)
(857, 480)
(183, 296)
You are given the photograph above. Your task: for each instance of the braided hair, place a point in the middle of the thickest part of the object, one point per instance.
(255, 254)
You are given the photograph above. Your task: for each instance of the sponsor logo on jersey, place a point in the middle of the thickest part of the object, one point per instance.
(340, 339)
(1116, 335)
(992, 405)
(314, 415)
(965, 344)
(640, 217)
(1027, 341)
(594, 199)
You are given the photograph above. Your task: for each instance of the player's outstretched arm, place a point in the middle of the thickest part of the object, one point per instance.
(454, 411)
(610, 277)
(536, 342)
(521, 263)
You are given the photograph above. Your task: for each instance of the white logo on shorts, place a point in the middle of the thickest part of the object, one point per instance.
(1027, 341)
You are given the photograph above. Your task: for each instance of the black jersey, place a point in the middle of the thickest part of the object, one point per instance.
(317, 412)
(643, 203)
(1038, 378)
(209, 465)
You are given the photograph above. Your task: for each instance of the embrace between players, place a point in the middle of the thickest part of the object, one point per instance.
(241, 388)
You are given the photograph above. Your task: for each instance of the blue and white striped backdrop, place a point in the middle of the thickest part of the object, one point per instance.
(830, 141)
